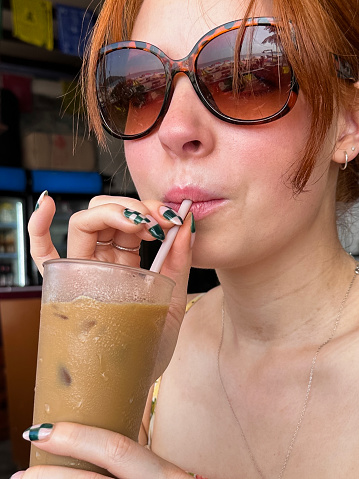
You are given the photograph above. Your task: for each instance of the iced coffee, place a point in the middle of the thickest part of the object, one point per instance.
(97, 347)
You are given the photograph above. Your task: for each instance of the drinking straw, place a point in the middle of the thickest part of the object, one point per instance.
(170, 237)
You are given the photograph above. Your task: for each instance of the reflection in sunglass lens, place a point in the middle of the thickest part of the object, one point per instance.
(131, 86)
(250, 85)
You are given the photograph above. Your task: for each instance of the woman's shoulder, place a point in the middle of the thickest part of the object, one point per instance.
(200, 325)
(204, 299)
(197, 313)
(202, 308)
(192, 300)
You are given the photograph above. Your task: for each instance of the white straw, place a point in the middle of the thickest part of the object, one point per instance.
(170, 237)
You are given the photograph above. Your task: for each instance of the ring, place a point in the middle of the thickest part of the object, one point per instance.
(104, 243)
(123, 248)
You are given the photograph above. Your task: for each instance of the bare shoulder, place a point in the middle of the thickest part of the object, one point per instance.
(198, 339)
(201, 320)
(186, 399)
(204, 301)
(194, 329)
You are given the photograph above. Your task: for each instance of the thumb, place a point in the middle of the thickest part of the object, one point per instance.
(42, 248)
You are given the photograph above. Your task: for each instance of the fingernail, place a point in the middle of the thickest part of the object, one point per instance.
(38, 432)
(135, 216)
(41, 199)
(150, 223)
(193, 230)
(170, 215)
(154, 228)
(17, 475)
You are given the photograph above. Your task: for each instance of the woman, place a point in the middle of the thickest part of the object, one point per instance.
(262, 378)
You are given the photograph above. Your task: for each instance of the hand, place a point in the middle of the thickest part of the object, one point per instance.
(104, 220)
(122, 457)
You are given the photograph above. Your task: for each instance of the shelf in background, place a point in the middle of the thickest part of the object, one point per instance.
(8, 226)
(8, 255)
(14, 51)
(12, 48)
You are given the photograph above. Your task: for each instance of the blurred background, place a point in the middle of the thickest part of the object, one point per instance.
(44, 144)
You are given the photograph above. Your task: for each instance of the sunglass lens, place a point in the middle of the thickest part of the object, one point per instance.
(249, 85)
(131, 85)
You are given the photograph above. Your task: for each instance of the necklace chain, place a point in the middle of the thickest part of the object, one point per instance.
(309, 386)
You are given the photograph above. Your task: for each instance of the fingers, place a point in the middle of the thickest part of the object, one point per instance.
(126, 221)
(41, 246)
(162, 213)
(122, 457)
(125, 226)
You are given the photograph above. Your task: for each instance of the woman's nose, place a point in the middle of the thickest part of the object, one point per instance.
(188, 128)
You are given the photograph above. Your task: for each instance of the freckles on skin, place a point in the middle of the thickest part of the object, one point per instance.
(267, 154)
(254, 162)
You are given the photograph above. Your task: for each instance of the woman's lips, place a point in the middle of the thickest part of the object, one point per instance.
(203, 202)
(200, 209)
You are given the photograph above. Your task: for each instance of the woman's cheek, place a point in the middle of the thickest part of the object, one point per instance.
(139, 165)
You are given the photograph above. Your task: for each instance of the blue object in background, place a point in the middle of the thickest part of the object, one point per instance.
(74, 27)
(73, 182)
(12, 179)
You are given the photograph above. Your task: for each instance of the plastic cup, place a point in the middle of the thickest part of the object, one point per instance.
(100, 330)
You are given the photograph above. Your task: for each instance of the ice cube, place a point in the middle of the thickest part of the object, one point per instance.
(64, 376)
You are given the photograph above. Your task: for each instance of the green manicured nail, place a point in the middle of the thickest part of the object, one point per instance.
(135, 216)
(150, 223)
(38, 432)
(193, 225)
(41, 199)
(155, 229)
(170, 215)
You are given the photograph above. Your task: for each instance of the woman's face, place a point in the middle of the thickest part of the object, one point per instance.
(237, 176)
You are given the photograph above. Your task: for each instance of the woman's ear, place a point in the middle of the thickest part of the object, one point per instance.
(347, 145)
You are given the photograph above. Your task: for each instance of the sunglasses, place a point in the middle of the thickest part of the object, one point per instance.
(243, 80)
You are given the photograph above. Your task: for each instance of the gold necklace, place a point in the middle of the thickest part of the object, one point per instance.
(309, 386)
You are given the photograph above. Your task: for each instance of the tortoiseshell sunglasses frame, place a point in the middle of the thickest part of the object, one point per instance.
(187, 65)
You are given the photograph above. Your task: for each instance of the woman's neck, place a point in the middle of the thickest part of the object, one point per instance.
(275, 302)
